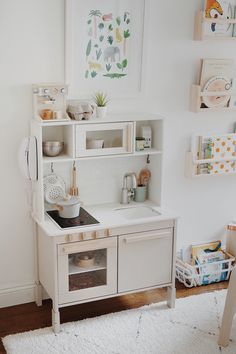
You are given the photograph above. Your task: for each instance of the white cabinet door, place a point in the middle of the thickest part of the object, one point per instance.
(145, 259)
(104, 139)
(79, 280)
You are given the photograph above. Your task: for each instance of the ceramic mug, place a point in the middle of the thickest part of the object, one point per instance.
(140, 194)
(57, 114)
(46, 114)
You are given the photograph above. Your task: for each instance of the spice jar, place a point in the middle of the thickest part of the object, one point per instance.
(139, 144)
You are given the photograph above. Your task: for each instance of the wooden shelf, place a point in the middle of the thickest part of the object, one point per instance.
(73, 269)
(60, 158)
(200, 19)
(199, 162)
(112, 118)
(195, 100)
(66, 158)
(147, 152)
(191, 164)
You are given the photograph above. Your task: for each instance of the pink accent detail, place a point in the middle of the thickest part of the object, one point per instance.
(107, 17)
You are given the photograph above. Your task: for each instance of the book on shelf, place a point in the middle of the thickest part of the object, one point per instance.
(204, 152)
(216, 75)
(212, 67)
(219, 9)
(221, 148)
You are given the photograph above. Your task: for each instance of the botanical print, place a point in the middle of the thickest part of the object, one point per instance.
(106, 51)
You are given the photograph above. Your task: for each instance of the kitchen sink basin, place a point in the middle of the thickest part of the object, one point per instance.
(137, 212)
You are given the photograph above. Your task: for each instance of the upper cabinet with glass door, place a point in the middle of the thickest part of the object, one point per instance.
(104, 139)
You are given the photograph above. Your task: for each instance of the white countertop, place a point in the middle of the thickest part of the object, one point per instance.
(108, 218)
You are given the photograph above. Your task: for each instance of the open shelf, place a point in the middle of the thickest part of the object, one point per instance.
(200, 20)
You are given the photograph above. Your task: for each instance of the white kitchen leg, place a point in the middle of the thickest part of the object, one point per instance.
(38, 294)
(56, 321)
(171, 294)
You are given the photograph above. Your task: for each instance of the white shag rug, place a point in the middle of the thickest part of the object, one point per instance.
(192, 327)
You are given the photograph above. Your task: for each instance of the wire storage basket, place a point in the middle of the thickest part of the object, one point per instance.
(200, 274)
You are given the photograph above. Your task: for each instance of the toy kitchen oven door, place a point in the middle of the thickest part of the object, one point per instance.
(87, 269)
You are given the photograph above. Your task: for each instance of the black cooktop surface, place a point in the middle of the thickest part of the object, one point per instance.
(84, 219)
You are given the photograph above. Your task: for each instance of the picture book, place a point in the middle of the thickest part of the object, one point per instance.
(211, 268)
(215, 68)
(219, 9)
(223, 147)
(210, 247)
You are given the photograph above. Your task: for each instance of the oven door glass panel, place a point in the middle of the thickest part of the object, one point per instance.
(87, 269)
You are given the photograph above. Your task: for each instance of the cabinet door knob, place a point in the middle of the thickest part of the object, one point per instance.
(82, 236)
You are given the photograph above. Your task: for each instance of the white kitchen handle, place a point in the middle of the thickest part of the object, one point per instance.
(92, 245)
(153, 236)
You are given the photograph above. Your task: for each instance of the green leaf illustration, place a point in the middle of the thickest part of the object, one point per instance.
(115, 75)
(126, 34)
(88, 50)
(110, 27)
(124, 63)
(101, 26)
(108, 67)
(93, 74)
(86, 74)
(95, 13)
(101, 38)
(89, 22)
(110, 40)
(128, 21)
(118, 21)
(98, 54)
(96, 46)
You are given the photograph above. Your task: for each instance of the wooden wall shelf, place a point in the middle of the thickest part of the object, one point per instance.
(200, 19)
(196, 103)
(194, 157)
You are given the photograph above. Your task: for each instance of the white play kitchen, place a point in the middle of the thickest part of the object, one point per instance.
(101, 230)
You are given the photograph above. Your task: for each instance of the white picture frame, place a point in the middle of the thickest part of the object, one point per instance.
(126, 61)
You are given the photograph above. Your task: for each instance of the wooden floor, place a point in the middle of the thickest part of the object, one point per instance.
(27, 317)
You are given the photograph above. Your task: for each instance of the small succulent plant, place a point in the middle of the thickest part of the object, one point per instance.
(101, 99)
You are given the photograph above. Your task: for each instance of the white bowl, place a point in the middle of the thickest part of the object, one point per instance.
(95, 144)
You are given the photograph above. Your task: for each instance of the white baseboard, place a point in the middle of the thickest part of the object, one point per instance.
(17, 296)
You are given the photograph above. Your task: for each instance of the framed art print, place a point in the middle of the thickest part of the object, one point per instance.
(105, 47)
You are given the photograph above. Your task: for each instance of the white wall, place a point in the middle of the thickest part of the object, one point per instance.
(31, 38)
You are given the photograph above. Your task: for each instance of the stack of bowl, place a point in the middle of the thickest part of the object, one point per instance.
(52, 148)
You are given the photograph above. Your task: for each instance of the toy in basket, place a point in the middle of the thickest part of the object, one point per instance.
(210, 264)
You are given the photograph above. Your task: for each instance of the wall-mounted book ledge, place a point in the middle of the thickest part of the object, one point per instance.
(211, 155)
(206, 28)
(197, 100)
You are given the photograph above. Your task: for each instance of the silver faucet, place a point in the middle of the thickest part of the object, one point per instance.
(127, 194)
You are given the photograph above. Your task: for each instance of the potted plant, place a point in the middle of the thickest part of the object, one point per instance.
(101, 101)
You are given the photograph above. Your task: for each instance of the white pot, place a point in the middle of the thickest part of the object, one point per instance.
(69, 209)
(101, 112)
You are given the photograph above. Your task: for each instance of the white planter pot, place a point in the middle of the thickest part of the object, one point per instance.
(101, 112)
